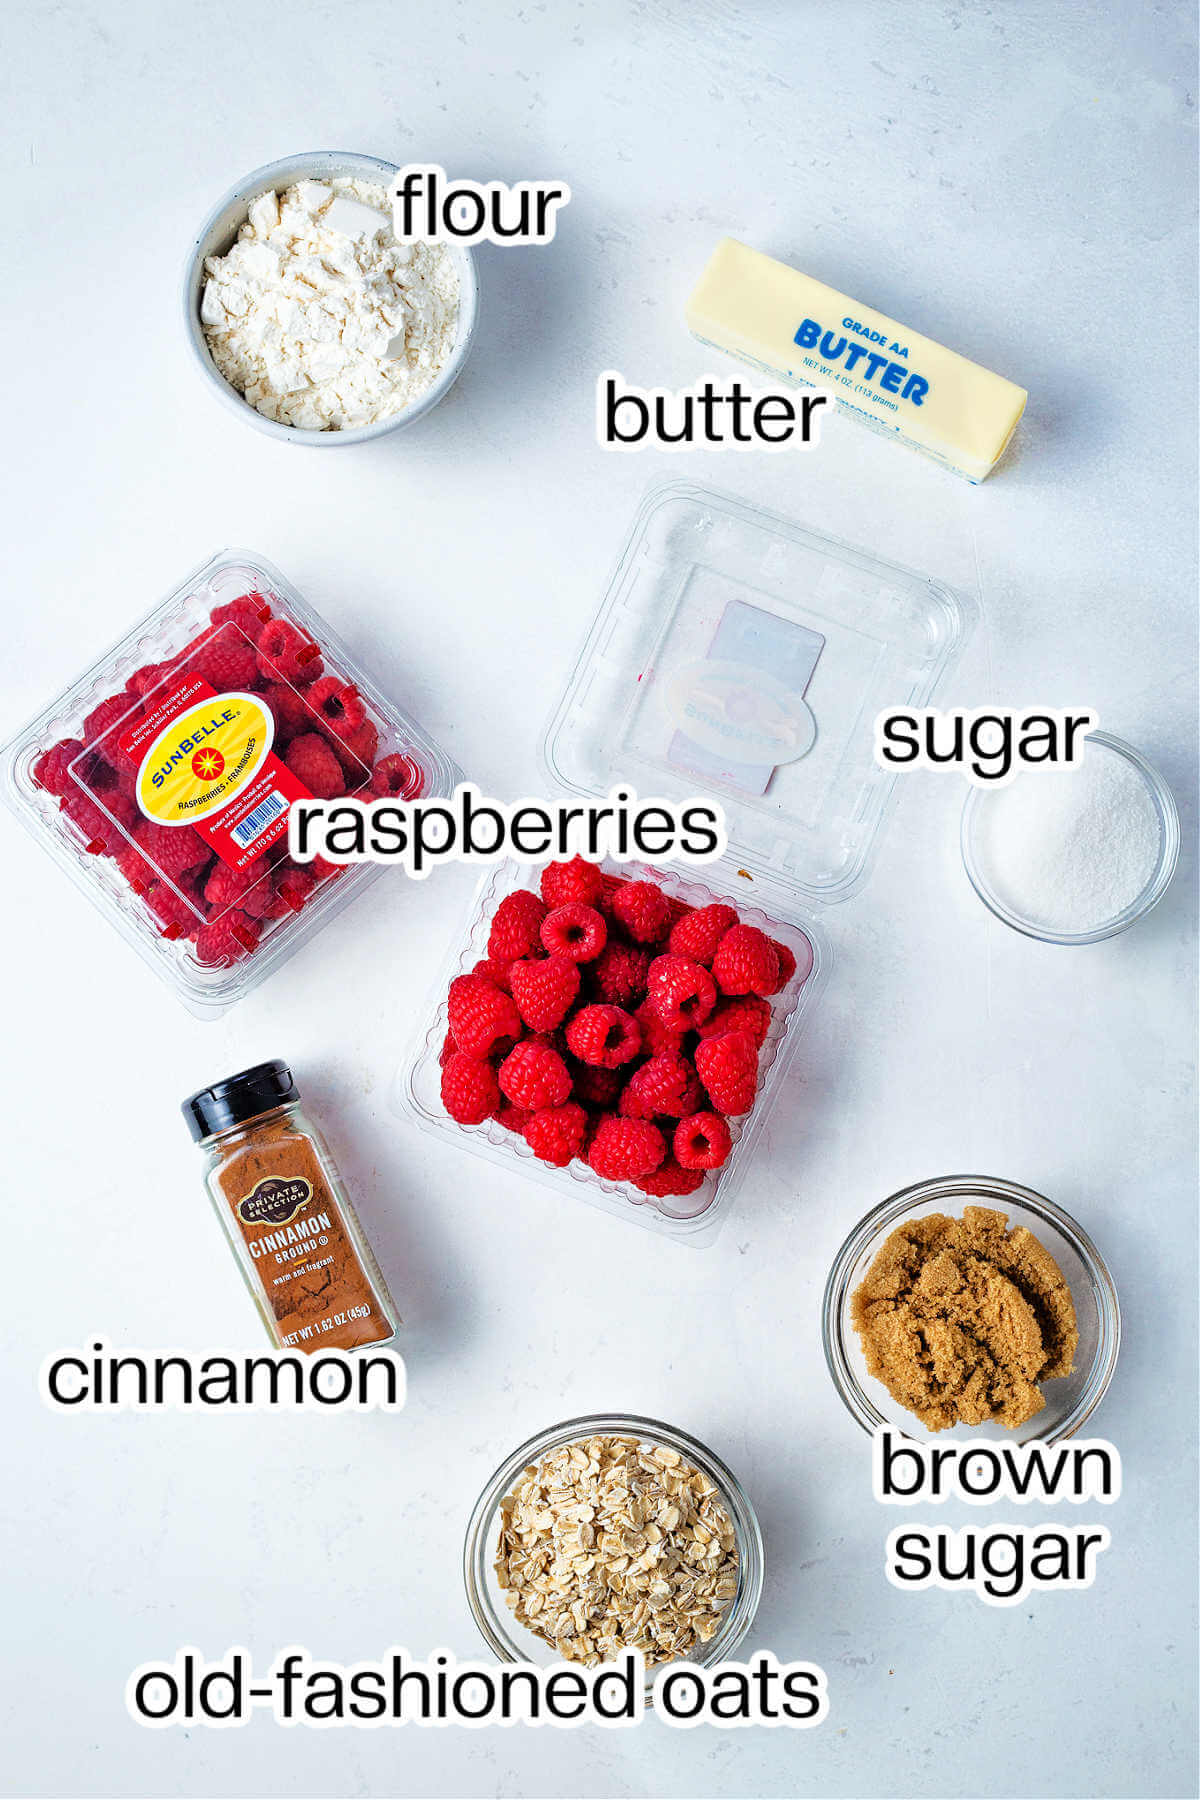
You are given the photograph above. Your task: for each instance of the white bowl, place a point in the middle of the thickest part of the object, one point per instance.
(218, 233)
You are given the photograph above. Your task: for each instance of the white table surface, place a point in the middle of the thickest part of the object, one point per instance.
(1018, 180)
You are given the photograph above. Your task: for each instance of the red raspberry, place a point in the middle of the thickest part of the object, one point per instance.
(178, 915)
(249, 611)
(470, 1091)
(745, 1013)
(745, 962)
(292, 890)
(577, 880)
(311, 761)
(511, 1117)
(516, 927)
(170, 849)
(599, 1088)
(728, 1067)
(702, 1141)
(666, 1084)
(620, 973)
(534, 1076)
(339, 704)
(356, 754)
(698, 933)
(285, 654)
(103, 835)
(228, 887)
(496, 973)
(52, 770)
(670, 1179)
(397, 777)
(681, 992)
(320, 870)
(576, 931)
(222, 941)
(605, 1036)
(225, 658)
(289, 710)
(107, 722)
(555, 1134)
(626, 1149)
(146, 681)
(656, 1034)
(481, 1017)
(792, 966)
(544, 989)
(642, 910)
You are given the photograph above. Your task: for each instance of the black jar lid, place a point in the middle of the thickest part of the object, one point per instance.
(238, 1098)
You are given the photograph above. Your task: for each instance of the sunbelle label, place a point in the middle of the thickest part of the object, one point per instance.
(205, 759)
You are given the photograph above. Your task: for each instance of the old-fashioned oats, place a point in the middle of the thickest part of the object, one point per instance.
(612, 1544)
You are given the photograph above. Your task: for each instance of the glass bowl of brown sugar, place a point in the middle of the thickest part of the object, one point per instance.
(859, 1370)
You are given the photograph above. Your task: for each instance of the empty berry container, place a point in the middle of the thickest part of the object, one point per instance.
(161, 779)
(744, 657)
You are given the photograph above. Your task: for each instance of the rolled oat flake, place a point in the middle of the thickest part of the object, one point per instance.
(287, 1216)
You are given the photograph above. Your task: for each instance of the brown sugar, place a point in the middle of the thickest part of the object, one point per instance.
(961, 1319)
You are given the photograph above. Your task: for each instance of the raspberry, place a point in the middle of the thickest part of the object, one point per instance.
(605, 1036)
(143, 682)
(495, 972)
(177, 915)
(544, 989)
(642, 910)
(681, 992)
(702, 1141)
(170, 849)
(107, 722)
(656, 1034)
(52, 770)
(620, 974)
(103, 835)
(577, 880)
(555, 1133)
(728, 1067)
(626, 1149)
(289, 710)
(249, 611)
(516, 926)
(228, 887)
(533, 1076)
(356, 753)
(222, 941)
(511, 1117)
(481, 1017)
(698, 933)
(339, 704)
(225, 658)
(595, 1087)
(792, 966)
(745, 1013)
(669, 1179)
(666, 1084)
(312, 761)
(396, 776)
(293, 888)
(576, 931)
(285, 654)
(745, 962)
(470, 1091)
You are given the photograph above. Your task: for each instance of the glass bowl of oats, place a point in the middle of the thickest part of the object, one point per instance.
(609, 1533)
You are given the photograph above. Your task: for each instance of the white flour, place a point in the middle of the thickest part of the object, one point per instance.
(1069, 849)
(319, 317)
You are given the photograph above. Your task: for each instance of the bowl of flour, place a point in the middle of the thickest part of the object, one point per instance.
(309, 320)
(1072, 855)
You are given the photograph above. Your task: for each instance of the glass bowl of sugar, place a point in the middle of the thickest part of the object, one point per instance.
(1072, 855)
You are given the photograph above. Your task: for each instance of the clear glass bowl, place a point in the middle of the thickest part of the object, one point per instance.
(1070, 1399)
(512, 1642)
(974, 813)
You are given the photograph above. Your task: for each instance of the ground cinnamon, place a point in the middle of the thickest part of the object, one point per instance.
(287, 1215)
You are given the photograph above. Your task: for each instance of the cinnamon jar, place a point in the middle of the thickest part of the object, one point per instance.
(286, 1214)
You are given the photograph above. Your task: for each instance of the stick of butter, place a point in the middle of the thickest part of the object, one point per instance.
(799, 330)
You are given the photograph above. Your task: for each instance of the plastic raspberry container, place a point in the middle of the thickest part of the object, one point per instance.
(166, 799)
(741, 656)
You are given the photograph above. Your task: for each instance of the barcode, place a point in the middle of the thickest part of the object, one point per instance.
(253, 823)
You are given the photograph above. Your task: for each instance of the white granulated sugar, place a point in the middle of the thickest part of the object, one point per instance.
(319, 317)
(1067, 850)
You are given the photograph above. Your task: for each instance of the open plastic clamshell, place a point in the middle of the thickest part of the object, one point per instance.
(161, 779)
(737, 655)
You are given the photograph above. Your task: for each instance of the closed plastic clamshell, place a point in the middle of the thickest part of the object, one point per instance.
(192, 710)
